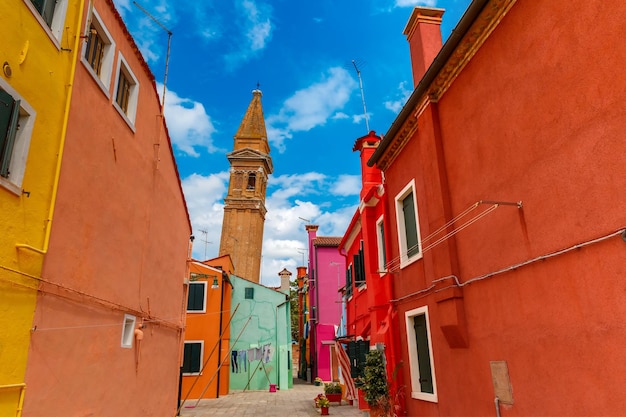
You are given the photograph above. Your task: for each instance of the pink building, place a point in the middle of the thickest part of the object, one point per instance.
(326, 277)
(107, 331)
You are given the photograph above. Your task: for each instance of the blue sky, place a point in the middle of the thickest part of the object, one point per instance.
(301, 54)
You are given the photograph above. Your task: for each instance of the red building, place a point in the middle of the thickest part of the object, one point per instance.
(505, 176)
(368, 316)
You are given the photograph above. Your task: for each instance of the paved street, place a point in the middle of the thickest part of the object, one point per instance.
(296, 402)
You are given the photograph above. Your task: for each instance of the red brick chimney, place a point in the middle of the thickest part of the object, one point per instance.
(370, 176)
(424, 36)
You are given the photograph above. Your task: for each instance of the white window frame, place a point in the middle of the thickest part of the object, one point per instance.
(416, 391)
(55, 30)
(201, 342)
(380, 241)
(402, 243)
(130, 114)
(128, 331)
(104, 79)
(205, 284)
(21, 145)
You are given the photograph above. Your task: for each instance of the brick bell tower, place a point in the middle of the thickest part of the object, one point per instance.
(244, 205)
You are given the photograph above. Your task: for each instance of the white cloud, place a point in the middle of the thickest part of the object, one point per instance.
(255, 21)
(259, 27)
(311, 107)
(396, 104)
(347, 185)
(204, 196)
(189, 124)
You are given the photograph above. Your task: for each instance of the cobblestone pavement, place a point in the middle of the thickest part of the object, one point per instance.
(295, 402)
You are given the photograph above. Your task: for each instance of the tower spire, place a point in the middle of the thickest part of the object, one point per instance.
(244, 205)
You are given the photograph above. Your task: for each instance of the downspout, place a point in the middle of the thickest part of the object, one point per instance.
(57, 173)
(219, 343)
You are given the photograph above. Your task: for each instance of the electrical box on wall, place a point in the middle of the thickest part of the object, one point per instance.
(501, 381)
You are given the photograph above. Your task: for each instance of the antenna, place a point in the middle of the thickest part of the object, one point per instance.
(205, 240)
(167, 57)
(358, 73)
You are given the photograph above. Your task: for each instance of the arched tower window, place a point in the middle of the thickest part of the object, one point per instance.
(251, 181)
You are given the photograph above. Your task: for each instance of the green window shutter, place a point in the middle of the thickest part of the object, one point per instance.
(195, 300)
(249, 293)
(410, 225)
(423, 353)
(9, 117)
(191, 358)
(352, 354)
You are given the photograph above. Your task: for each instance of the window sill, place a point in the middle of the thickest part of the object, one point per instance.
(130, 124)
(95, 77)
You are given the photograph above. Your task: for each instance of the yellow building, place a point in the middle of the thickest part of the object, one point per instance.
(37, 54)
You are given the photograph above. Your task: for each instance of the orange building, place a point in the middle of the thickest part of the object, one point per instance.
(505, 174)
(108, 324)
(207, 331)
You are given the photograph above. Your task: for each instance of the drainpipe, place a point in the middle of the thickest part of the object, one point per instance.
(497, 403)
(277, 346)
(219, 343)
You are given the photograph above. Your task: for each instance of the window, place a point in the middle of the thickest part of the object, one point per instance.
(16, 127)
(251, 181)
(192, 357)
(196, 299)
(408, 230)
(126, 92)
(249, 293)
(349, 281)
(359, 267)
(98, 52)
(45, 9)
(128, 331)
(380, 237)
(421, 364)
(51, 14)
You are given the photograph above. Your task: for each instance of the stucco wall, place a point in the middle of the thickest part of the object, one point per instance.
(119, 245)
(260, 338)
(533, 117)
(40, 81)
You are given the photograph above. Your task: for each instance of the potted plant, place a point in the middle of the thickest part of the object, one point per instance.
(333, 392)
(374, 384)
(322, 403)
(318, 381)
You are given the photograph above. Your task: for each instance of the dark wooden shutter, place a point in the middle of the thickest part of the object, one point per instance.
(195, 300)
(423, 353)
(9, 117)
(410, 226)
(191, 358)
(349, 281)
(382, 248)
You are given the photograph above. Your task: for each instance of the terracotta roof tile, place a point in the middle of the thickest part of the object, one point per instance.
(327, 241)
